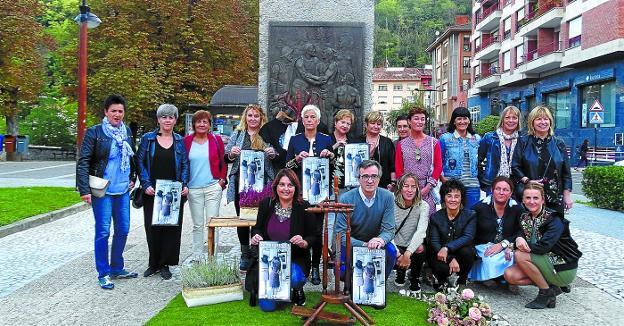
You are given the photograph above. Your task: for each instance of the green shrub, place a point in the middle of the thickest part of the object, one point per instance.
(487, 124)
(604, 185)
(210, 272)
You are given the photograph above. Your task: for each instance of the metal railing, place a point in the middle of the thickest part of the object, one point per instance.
(542, 50)
(486, 12)
(487, 41)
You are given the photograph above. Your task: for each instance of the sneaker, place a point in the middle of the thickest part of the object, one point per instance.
(105, 283)
(165, 273)
(299, 298)
(123, 274)
(316, 276)
(415, 286)
(400, 277)
(150, 271)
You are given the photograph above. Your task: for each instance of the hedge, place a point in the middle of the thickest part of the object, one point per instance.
(487, 124)
(604, 185)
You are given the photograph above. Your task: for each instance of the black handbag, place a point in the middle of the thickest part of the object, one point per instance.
(136, 197)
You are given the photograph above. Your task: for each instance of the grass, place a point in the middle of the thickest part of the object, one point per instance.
(399, 311)
(19, 203)
(586, 203)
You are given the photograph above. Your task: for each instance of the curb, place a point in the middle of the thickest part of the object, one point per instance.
(40, 219)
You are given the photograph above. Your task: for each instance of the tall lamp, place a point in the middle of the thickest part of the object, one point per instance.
(86, 20)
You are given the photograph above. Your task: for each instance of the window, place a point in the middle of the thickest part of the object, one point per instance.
(466, 65)
(506, 61)
(603, 92)
(445, 70)
(397, 100)
(409, 99)
(438, 55)
(466, 42)
(477, 44)
(445, 50)
(475, 114)
(575, 27)
(397, 87)
(438, 73)
(520, 18)
(507, 24)
(382, 100)
(559, 103)
(411, 87)
(519, 54)
(382, 88)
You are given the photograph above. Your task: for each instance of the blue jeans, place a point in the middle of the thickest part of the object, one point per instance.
(297, 281)
(391, 257)
(105, 209)
(473, 195)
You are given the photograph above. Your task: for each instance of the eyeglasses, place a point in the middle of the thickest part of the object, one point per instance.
(371, 177)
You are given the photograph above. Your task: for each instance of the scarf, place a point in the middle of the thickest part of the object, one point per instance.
(505, 161)
(119, 135)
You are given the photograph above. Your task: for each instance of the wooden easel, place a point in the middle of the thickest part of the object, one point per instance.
(336, 296)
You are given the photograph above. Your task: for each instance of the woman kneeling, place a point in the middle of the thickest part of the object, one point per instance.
(546, 254)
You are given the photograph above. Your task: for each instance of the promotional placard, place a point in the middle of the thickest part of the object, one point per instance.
(274, 270)
(167, 198)
(354, 155)
(315, 181)
(251, 171)
(369, 283)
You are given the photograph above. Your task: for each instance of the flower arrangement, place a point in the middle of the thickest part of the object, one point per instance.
(455, 309)
(252, 198)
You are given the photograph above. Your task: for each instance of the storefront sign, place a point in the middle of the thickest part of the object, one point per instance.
(556, 86)
(594, 77)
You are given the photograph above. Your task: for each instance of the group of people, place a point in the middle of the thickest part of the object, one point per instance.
(517, 233)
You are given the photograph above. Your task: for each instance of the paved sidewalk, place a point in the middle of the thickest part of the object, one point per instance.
(48, 278)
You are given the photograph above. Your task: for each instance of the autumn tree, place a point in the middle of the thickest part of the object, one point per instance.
(158, 51)
(22, 44)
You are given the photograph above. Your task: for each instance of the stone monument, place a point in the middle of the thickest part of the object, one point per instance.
(316, 52)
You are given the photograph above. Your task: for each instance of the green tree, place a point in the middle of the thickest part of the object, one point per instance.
(22, 46)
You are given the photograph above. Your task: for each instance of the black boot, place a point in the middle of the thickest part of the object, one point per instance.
(545, 298)
(244, 259)
(400, 277)
(316, 276)
(298, 297)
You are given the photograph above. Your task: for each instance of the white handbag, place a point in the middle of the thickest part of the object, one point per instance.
(98, 186)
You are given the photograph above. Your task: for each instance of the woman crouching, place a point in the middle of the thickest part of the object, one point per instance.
(546, 254)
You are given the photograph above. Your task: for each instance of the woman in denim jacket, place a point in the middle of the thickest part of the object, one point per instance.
(460, 145)
(162, 156)
(497, 148)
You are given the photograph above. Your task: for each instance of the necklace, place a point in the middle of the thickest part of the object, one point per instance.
(282, 213)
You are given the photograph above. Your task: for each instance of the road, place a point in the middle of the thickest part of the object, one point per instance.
(38, 173)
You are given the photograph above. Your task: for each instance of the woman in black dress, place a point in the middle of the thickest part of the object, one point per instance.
(162, 156)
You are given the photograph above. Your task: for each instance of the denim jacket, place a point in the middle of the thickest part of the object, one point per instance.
(452, 147)
(94, 157)
(148, 142)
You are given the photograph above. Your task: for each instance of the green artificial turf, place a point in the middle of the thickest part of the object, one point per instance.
(398, 311)
(19, 203)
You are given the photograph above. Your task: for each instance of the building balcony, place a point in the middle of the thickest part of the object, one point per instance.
(548, 16)
(488, 49)
(489, 18)
(487, 80)
(544, 58)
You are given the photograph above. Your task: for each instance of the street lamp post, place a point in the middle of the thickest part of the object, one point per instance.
(86, 20)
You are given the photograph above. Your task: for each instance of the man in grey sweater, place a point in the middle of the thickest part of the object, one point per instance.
(372, 220)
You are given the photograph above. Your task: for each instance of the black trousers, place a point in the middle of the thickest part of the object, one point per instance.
(465, 257)
(242, 232)
(163, 242)
(416, 264)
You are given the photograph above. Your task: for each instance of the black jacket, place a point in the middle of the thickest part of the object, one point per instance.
(301, 223)
(487, 224)
(384, 154)
(145, 154)
(438, 231)
(93, 158)
(555, 239)
(271, 133)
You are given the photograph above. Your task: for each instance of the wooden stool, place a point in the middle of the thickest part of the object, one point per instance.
(217, 222)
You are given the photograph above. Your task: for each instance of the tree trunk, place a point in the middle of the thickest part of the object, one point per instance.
(12, 129)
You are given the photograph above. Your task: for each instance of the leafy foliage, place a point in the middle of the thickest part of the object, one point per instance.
(487, 124)
(604, 185)
(406, 106)
(210, 272)
(405, 28)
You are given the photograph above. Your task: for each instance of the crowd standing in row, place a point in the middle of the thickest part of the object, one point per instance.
(481, 239)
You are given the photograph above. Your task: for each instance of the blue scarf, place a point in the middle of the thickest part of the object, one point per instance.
(119, 135)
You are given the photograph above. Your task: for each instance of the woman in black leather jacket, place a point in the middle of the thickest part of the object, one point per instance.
(381, 148)
(162, 155)
(546, 254)
(451, 234)
(541, 157)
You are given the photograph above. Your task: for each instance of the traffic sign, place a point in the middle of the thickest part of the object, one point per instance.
(596, 107)
(596, 117)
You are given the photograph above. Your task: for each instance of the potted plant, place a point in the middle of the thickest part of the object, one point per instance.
(250, 200)
(210, 281)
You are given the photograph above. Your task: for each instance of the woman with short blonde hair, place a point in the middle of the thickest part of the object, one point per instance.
(381, 148)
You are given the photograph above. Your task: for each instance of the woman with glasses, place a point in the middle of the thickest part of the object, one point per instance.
(411, 218)
(381, 148)
(460, 146)
(420, 154)
(451, 233)
(498, 223)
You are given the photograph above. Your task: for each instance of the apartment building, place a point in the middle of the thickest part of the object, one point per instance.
(566, 54)
(450, 56)
(394, 85)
